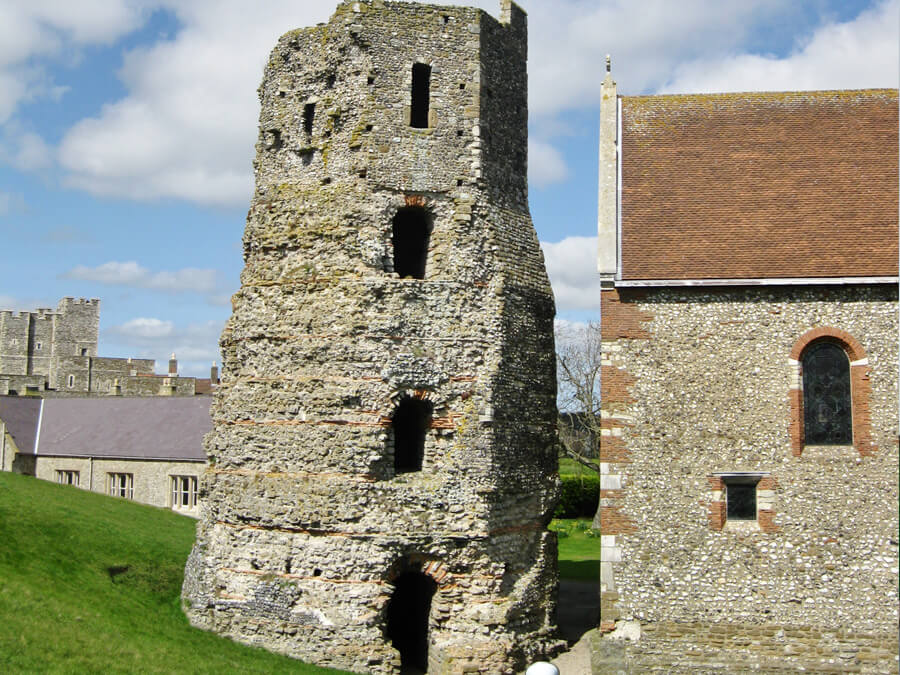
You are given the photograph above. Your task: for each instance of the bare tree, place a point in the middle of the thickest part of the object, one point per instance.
(578, 390)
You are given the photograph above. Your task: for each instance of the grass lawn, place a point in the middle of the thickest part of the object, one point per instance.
(569, 467)
(90, 584)
(579, 549)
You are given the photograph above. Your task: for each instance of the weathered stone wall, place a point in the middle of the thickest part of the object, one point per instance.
(698, 382)
(32, 343)
(76, 333)
(151, 478)
(307, 524)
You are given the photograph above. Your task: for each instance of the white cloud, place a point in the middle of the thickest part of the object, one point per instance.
(545, 164)
(130, 273)
(45, 28)
(21, 148)
(188, 125)
(572, 267)
(855, 54)
(569, 40)
(194, 345)
(32, 153)
(144, 328)
(11, 202)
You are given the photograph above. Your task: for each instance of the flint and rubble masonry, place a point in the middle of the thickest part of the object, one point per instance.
(306, 523)
(697, 382)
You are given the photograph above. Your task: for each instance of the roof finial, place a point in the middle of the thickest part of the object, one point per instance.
(608, 64)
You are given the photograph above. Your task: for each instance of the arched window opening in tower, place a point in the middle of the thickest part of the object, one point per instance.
(827, 407)
(421, 95)
(408, 613)
(410, 422)
(411, 230)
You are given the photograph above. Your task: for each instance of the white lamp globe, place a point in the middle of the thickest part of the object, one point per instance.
(542, 668)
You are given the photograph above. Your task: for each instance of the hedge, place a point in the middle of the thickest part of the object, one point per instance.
(579, 497)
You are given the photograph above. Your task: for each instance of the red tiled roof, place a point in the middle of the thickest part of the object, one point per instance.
(760, 185)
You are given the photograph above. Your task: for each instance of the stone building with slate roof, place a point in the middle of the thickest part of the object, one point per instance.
(383, 464)
(146, 449)
(749, 454)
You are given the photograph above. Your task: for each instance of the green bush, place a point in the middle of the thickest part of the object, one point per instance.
(579, 497)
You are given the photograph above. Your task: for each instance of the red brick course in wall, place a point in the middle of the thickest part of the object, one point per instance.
(614, 521)
(621, 319)
(613, 450)
(860, 390)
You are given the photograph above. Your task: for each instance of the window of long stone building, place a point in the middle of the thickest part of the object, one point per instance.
(827, 407)
(409, 424)
(184, 492)
(120, 485)
(421, 95)
(411, 231)
(66, 477)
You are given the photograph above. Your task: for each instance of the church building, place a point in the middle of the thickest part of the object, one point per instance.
(748, 255)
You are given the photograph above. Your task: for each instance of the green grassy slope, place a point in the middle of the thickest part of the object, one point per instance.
(89, 583)
(579, 549)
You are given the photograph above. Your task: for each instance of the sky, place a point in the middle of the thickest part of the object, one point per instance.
(127, 131)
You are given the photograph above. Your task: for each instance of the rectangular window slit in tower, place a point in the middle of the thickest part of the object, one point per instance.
(309, 114)
(421, 93)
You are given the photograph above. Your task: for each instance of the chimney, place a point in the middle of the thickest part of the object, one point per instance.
(173, 366)
(214, 374)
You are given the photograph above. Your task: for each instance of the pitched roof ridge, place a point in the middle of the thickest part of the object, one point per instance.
(875, 92)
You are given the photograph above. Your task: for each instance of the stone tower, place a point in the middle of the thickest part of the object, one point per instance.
(382, 466)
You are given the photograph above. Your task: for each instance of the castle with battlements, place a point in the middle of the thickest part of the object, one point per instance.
(54, 353)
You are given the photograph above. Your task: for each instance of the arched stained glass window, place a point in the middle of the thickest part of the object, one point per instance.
(827, 408)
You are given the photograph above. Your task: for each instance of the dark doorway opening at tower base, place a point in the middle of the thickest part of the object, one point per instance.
(407, 620)
(411, 230)
(409, 424)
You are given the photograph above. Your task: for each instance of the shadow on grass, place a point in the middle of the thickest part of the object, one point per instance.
(580, 570)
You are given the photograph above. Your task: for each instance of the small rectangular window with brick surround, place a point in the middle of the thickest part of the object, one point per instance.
(742, 500)
(740, 497)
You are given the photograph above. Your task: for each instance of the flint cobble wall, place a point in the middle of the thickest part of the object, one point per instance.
(700, 384)
(307, 523)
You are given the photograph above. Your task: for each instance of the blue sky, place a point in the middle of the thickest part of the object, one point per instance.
(127, 131)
